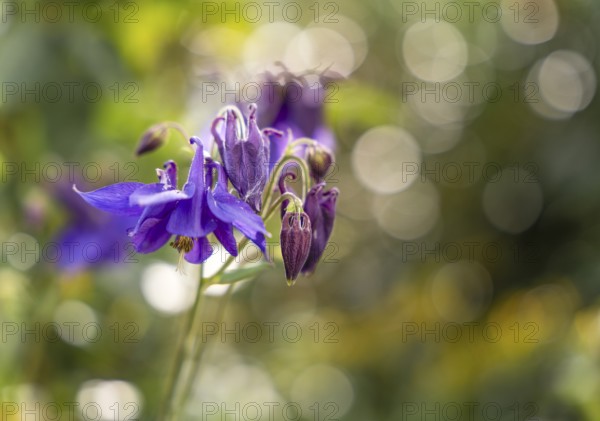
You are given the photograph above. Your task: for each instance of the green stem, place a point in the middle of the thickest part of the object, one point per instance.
(178, 127)
(299, 142)
(278, 201)
(41, 312)
(213, 279)
(169, 409)
(201, 345)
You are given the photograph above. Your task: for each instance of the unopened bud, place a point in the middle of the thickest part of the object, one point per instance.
(319, 159)
(152, 139)
(295, 243)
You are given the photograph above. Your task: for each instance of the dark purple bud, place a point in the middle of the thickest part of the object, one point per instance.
(244, 150)
(320, 208)
(295, 243)
(152, 139)
(319, 159)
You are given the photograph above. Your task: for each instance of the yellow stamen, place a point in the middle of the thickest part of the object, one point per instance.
(183, 245)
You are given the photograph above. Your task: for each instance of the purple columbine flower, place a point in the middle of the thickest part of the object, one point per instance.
(91, 238)
(320, 208)
(295, 105)
(244, 150)
(190, 214)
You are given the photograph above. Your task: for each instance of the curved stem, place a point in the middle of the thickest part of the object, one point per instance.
(178, 127)
(299, 142)
(278, 201)
(277, 173)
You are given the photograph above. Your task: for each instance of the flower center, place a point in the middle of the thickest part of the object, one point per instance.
(182, 244)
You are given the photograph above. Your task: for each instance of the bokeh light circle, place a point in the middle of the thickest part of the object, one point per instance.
(434, 51)
(168, 290)
(267, 45)
(529, 21)
(566, 82)
(386, 159)
(320, 47)
(323, 383)
(114, 400)
(76, 323)
(410, 214)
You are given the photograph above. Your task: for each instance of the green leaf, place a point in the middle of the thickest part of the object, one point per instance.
(243, 273)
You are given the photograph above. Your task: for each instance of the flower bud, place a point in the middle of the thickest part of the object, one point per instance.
(320, 207)
(295, 243)
(244, 149)
(152, 139)
(319, 159)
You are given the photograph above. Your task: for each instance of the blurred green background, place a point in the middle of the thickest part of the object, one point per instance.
(462, 279)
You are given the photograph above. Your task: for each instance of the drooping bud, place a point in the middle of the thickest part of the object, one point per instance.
(295, 241)
(152, 139)
(320, 208)
(319, 159)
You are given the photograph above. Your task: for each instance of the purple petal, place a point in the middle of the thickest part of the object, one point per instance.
(230, 129)
(324, 136)
(201, 251)
(232, 210)
(158, 193)
(171, 173)
(277, 147)
(151, 235)
(114, 198)
(217, 133)
(224, 233)
(196, 174)
(189, 217)
(254, 134)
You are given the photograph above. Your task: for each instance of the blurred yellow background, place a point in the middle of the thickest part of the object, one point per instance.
(462, 278)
